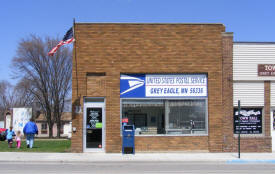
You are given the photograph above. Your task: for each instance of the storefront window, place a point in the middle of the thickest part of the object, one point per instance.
(146, 115)
(152, 117)
(186, 117)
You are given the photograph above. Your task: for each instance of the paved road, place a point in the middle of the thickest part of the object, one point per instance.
(134, 167)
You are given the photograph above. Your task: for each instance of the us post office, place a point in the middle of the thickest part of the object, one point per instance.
(173, 82)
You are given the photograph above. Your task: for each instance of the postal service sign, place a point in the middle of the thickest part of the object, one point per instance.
(163, 85)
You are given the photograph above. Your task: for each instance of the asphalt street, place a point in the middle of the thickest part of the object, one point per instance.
(134, 167)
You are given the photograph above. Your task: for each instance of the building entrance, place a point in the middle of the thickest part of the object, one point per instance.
(94, 126)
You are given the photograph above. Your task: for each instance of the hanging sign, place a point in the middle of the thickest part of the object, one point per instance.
(250, 121)
(163, 85)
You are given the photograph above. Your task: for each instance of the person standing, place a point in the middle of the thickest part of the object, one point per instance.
(30, 129)
(9, 136)
(18, 139)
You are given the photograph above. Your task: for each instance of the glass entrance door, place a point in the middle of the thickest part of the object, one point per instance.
(94, 128)
(93, 134)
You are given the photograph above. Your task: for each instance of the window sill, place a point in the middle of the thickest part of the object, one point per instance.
(249, 135)
(172, 135)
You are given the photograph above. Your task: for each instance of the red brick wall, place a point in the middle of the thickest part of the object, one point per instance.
(253, 144)
(172, 143)
(148, 48)
(227, 92)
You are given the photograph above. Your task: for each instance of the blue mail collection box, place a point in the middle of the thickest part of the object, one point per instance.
(128, 139)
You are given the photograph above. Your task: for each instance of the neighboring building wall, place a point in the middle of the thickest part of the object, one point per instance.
(8, 121)
(39, 129)
(104, 51)
(272, 113)
(67, 130)
(250, 93)
(247, 56)
(41, 121)
(66, 126)
(272, 96)
(253, 90)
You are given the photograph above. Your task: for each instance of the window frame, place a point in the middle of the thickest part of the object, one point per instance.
(168, 135)
(44, 131)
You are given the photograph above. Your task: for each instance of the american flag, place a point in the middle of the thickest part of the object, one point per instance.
(68, 38)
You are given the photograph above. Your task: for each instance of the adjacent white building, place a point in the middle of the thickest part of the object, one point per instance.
(1, 124)
(253, 65)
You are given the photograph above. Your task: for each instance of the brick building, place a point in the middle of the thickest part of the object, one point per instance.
(174, 82)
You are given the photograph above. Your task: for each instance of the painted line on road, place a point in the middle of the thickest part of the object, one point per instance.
(249, 161)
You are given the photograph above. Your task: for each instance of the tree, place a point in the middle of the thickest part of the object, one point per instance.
(13, 96)
(48, 78)
(23, 97)
(6, 97)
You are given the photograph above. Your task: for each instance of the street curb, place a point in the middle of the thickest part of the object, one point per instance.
(230, 158)
(250, 161)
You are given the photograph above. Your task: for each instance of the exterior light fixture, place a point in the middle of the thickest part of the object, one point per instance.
(78, 109)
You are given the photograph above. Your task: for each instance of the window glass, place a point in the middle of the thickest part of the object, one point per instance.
(87, 100)
(146, 115)
(152, 117)
(186, 117)
(44, 128)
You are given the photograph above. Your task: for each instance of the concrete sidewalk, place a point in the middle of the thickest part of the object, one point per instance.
(100, 157)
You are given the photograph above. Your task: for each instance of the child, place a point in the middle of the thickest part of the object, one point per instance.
(18, 139)
(10, 134)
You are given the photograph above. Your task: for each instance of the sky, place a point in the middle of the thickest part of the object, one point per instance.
(250, 20)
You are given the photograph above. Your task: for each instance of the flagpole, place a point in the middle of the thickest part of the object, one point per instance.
(75, 59)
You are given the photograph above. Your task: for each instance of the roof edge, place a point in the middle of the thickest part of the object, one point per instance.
(144, 23)
(254, 42)
(230, 34)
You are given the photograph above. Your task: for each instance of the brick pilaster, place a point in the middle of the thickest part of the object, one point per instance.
(267, 108)
(227, 91)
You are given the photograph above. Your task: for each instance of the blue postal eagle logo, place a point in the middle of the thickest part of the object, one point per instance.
(130, 83)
